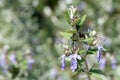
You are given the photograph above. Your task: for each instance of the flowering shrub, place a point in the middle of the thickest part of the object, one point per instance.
(81, 41)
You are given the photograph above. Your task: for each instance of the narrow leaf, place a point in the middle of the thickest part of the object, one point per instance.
(98, 74)
(67, 17)
(91, 52)
(88, 40)
(82, 19)
(66, 35)
(72, 31)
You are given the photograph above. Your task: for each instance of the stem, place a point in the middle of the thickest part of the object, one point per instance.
(86, 64)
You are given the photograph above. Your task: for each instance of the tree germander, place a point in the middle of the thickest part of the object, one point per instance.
(80, 43)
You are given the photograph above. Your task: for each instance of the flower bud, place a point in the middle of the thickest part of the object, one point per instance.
(72, 11)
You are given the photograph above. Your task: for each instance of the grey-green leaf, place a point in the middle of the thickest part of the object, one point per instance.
(98, 74)
(66, 35)
(72, 31)
(82, 19)
(67, 17)
(82, 51)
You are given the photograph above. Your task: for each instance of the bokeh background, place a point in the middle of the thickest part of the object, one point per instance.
(30, 43)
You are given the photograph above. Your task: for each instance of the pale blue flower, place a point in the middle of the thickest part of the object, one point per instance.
(13, 58)
(30, 62)
(102, 63)
(73, 64)
(63, 61)
(74, 58)
(99, 53)
(113, 63)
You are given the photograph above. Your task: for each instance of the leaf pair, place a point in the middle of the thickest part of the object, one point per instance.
(76, 21)
(68, 33)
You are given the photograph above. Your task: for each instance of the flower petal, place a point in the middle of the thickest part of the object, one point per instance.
(102, 63)
(63, 64)
(63, 61)
(70, 57)
(73, 64)
(79, 57)
(99, 54)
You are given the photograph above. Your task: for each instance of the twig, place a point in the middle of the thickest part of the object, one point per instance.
(86, 65)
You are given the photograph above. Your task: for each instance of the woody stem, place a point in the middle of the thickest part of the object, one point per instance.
(87, 69)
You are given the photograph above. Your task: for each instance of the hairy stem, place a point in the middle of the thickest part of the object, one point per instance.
(86, 65)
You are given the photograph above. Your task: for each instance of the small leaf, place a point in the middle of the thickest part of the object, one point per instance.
(82, 19)
(93, 49)
(91, 52)
(72, 31)
(67, 17)
(98, 74)
(80, 62)
(105, 50)
(66, 35)
(88, 40)
(82, 51)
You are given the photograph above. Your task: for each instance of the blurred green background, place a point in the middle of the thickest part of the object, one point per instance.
(31, 29)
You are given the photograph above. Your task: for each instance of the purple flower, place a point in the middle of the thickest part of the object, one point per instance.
(74, 58)
(63, 61)
(102, 63)
(73, 64)
(113, 62)
(30, 62)
(3, 60)
(113, 65)
(3, 63)
(81, 6)
(13, 58)
(99, 53)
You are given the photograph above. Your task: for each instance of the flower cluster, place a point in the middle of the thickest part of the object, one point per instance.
(80, 42)
(99, 53)
(73, 57)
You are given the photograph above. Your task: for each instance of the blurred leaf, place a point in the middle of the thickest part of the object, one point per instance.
(82, 19)
(72, 31)
(82, 51)
(98, 74)
(67, 17)
(88, 40)
(66, 35)
(80, 62)
(93, 49)
(91, 52)
(23, 65)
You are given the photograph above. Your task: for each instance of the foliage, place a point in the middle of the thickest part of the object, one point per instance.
(36, 25)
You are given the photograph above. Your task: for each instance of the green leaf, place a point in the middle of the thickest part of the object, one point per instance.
(66, 35)
(93, 49)
(82, 51)
(98, 74)
(72, 31)
(88, 40)
(91, 52)
(106, 50)
(67, 17)
(82, 19)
